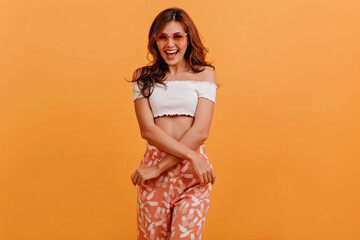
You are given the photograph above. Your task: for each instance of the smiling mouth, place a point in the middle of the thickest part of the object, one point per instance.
(172, 53)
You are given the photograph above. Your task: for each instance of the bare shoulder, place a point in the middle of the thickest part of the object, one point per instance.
(137, 74)
(209, 75)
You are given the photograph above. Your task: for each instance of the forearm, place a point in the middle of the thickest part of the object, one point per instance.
(182, 149)
(192, 139)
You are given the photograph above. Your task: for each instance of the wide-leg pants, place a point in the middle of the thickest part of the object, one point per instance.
(173, 205)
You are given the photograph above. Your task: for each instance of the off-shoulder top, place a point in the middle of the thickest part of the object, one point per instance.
(179, 98)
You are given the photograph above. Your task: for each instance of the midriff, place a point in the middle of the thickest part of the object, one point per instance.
(175, 126)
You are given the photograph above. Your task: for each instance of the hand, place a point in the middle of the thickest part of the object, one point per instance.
(203, 170)
(143, 174)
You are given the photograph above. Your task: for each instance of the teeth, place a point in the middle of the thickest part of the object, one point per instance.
(172, 51)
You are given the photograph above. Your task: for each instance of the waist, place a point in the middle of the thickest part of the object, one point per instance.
(150, 147)
(175, 126)
(153, 155)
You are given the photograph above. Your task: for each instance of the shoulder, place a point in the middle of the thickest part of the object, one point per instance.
(137, 74)
(209, 75)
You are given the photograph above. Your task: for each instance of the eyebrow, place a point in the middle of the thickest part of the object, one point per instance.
(173, 33)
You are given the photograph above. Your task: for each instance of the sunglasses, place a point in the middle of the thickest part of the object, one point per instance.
(163, 38)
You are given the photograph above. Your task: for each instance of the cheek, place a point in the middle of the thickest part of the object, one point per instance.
(183, 47)
(183, 50)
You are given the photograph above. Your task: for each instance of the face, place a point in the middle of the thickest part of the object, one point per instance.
(166, 49)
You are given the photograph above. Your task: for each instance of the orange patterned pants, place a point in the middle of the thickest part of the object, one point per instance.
(172, 206)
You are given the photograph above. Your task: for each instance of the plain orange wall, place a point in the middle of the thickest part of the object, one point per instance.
(284, 142)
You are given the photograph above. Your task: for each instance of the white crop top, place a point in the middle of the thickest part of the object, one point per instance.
(179, 98)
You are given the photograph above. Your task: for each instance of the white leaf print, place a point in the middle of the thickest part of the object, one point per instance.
(167, 205)
(202, 208)
(194, 199)
(185, 168)
(192, 182)
(159, 223)
(150, 196)
(204, 194)
(187, 175)
(142, 229)
(191, 214)
(149, 164)
(166, 194)
(182, 228)
(182, 185)
(152, 234)
(196, 192)
(147, 210)
(185, 234)
(151, 226)
(199, 213)
(165, 183)
(200, 228)
(147, 218)
(163, 213)
(152, 147)
(157, 213)
(185, 208)
(153, 203)
(195, 204)
(193, 222)
(158, 182)
(143, 195)
(184, 221)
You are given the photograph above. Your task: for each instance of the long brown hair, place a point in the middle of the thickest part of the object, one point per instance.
(155, 71)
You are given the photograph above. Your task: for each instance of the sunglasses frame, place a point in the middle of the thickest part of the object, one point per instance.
(168, 37)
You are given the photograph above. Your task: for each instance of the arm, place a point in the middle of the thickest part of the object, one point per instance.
(195, 136)
(158, 137)
(199, 131)
(151, 132)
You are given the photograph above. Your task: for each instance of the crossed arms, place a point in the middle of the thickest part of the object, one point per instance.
(177, 150)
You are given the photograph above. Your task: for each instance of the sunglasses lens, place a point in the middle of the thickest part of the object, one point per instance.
(178, 37)
(161, 38)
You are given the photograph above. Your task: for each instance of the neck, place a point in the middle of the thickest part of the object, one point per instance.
(177, 69)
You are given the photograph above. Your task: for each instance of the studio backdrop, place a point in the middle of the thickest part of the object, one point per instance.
(284, 140)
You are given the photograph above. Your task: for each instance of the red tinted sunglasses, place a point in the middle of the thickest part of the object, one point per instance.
(163, 38)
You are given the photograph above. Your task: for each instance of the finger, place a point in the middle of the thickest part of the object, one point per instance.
(142, 181)
(133, 182)
(141, 178)
(206, 180)
(213, 177)
(210, 177)
(136, 178)
(132, 179)
(138, 181)
(201, 180)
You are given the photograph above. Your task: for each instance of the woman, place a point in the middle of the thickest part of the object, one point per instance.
(174, 99)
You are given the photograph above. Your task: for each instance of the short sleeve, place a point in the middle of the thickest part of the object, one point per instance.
(136, 91)
(207, 90)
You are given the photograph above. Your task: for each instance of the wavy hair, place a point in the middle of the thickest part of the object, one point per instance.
(155, 71)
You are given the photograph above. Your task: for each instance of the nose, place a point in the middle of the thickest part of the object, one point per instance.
(170, 42)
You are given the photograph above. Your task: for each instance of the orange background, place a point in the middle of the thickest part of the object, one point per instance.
(284, 142)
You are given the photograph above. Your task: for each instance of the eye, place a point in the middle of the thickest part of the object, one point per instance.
(162, 36)
(178, 36)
